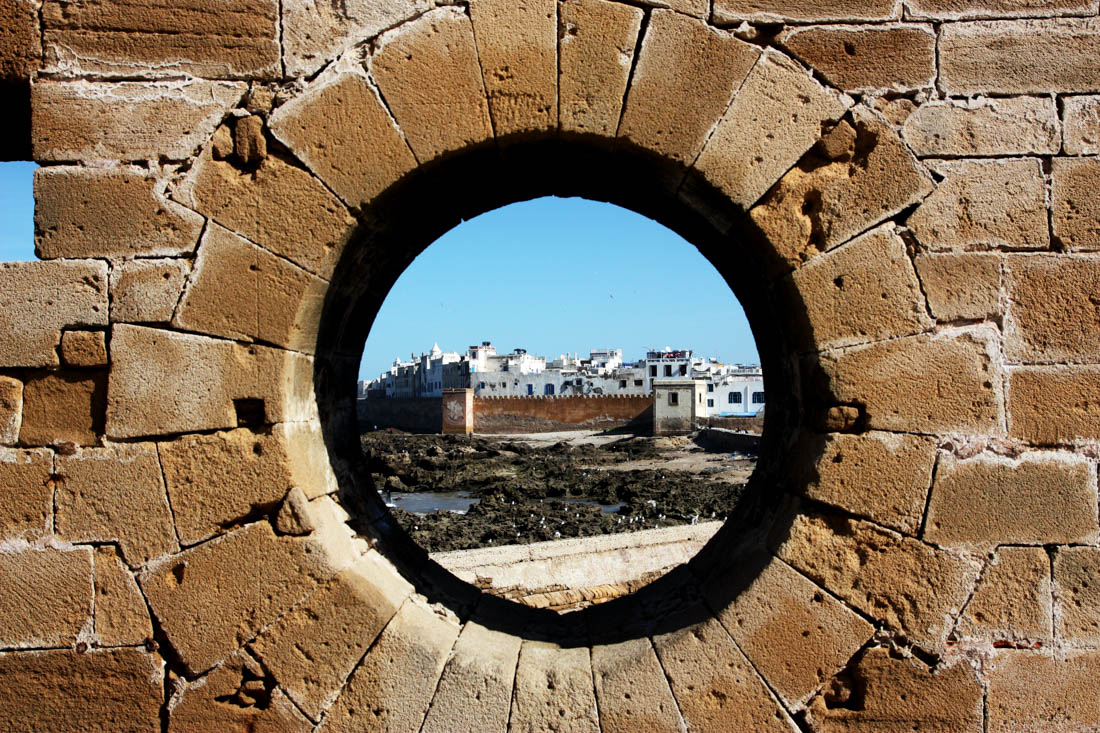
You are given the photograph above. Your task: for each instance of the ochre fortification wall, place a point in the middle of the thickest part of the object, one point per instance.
(544, 414)
(901, 192)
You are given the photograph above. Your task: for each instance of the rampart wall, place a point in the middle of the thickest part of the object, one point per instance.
(549, 414)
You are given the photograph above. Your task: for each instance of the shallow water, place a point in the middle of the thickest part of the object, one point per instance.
(426, 502)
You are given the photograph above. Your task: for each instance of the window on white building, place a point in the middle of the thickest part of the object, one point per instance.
(668, 370)
(710, 403)
(653, 370)
(673, 398)
(758, 398)
(710, 386)
(735, 398)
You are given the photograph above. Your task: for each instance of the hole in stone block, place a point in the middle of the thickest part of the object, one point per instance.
(250, 412)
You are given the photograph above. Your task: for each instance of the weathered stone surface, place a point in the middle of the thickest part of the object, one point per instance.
(391, 689)
(475, 691)
(45, 596)
(371, 154)
(26, 493)
(1075, 205)
(1012, 126)
(892, 695)
(20, 40)
(715, 686)
(958, 9)
(146, 291)
(899, 57)
(114, 212)
(294, 517)
(38, 299)
(215, 597)
(1032, 691)
(249, 144)
(867, 176)
(863, 291)
(315, 647)
(595, 53)
(240, 291)
(631, 689)
(1051, 316)
(1012, 603)
(430, 77)
(63, 407)
(517, 45)
(1081, 125)
(989, 203)
(785, 110)
(1052, 405)
(726, 11)
(796, 635)
(1077, 587)
(121, 616)
(941, 383)
(961, 286)
(685, 76)
(1020, 57)
(118, 690)
(84, 349)
(234, 39)
(115, 494)
(906, 584)
(128, 121)
(11, 409)
(553, 689)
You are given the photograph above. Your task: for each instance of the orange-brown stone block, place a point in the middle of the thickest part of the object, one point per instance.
(1075, 205)
(63, 407)
(899, 57)
(1052, 405)
(11, 409)
(84, 349)
(26, 492)
(147, 291)
(1081, 125)
(727, 11)
(1034, 691)
(1077, 588)
(20, 40)
(46, 596)
(964, 286)
(1012, 603)
(631, 689)
(1051, 316)
(1008, 126)
(121, 616)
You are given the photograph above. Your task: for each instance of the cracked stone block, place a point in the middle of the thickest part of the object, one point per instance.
(728, 11)
(898, 57)
(962, 9)
(146, 291)
(20, 40)
(84, 349)
(517, 45)
(393, 686)
(1075, 204)
(45, 596)
(596, 50)
(115, 494)
(213, 598)
(429, 74)
(1020, 56)
(1012, 603)
(1077, 587)
(60, 407)
(372, 154)
(11, 409)
(114, 212)
(553, 689)
(685, 76)
(26, 493)
(962, 286)
(1081, 125)
(1033, 691)
(1051, 316)
(121, 616)
(904, 584)
(1010, 126)
(126, 121)
(120, 689)
(38, 299)
(631, 689)
(1054, 405)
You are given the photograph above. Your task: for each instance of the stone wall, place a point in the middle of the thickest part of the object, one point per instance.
(901, 193)
(420, 415)
(549, 414)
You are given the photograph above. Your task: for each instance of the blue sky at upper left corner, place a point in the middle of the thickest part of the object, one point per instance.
(17, 211)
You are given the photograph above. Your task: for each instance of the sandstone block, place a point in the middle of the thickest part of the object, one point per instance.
(20, 39)
(121, 616)
(115, 212)
(294, 516)
(1077, 587)
(213, 598)
(857, 177)
(863, 291)
(430, 76)
(240, 291)
(715, 686)
(391, 689)
(905, 584)
(11, 409)
(728, 11)
(1075, 205)
(899, 57)
(234, 39)
(1012, 602)
(63, 407)
(118, 690)
(372, 153)
(893, 695)
(553, 689)
(1051, 316)
(685, 76)
(986, 203)
(595, 53)
(785, 110)
(631, 689)
(1009, 126)
(115, 494)
(517, 44)
(146, 291)
(1081, 125)
(1033, 691)
(249, 143)
(128, 121)
(960, 9)
(45, 596)
(1020, 56)
(947, 382)
(26, 493)
(38, 299)
(1053, 405)
(961, 286)
(84, 348)
(313, 649)
(475, 691)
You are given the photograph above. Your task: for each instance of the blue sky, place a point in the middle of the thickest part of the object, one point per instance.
(16, 211)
